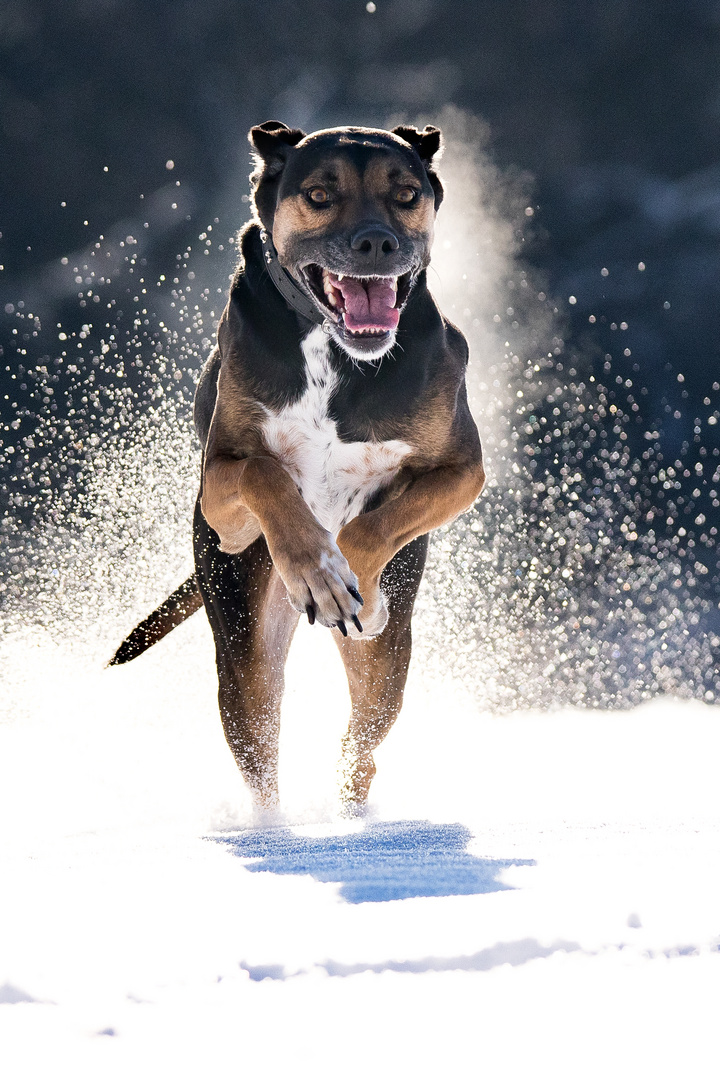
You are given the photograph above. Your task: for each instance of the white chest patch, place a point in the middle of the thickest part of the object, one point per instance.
(334, 478)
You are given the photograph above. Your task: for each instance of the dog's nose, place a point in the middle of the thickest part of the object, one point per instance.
(374, 241)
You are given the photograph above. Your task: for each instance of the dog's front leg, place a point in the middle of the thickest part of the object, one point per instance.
(313, 569)
(370, 540)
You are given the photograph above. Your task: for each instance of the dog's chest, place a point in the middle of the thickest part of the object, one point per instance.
(335, 478)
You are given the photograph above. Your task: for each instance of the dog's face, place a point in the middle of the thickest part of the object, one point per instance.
(351, 213)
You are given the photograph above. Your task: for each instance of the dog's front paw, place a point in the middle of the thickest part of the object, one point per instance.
(321, 584)
(374, 615)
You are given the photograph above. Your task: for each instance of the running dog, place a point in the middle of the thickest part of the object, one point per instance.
(336, 435)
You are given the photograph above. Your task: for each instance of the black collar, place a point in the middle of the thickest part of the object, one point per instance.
(286, 286)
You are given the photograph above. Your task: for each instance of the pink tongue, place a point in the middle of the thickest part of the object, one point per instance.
(368, 303)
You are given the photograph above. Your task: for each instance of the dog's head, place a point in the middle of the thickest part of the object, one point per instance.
(351, 214)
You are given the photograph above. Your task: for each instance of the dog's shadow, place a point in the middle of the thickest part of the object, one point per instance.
(386, 861)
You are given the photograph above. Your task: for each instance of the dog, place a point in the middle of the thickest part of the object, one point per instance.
(336, 436)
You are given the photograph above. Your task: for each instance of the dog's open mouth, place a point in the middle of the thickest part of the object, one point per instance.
(363, 306)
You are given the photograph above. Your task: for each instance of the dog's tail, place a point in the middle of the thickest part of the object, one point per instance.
(178, 607)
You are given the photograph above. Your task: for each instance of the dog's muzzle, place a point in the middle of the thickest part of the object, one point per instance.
(366, 306)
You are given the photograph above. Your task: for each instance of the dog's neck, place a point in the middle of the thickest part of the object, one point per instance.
(288, 288)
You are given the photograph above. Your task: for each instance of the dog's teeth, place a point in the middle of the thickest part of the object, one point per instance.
(340, 277)
(328, 288)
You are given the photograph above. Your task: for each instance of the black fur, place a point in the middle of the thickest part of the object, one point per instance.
(267, 345)
(260, 338)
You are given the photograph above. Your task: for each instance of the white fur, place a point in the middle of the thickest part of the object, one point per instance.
(334, 478)
(365, 354)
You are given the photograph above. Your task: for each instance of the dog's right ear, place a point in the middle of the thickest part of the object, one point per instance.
(270, 142)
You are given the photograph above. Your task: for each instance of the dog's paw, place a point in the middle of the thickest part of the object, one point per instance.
(323, 586)
(373, 617)
(266, 816)
(357, 769)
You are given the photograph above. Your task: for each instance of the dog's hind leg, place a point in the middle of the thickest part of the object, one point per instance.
(252, 624)
(377, 671)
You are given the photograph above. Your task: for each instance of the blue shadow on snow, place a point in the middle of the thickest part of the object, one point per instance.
(386, 861)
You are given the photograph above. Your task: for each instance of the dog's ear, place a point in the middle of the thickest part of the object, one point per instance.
(271, 141)
(428, 144)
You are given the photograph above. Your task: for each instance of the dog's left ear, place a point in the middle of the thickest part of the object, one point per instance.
(428, 144)
(271, 142)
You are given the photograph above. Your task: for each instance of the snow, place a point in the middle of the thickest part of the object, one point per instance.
(533, 894)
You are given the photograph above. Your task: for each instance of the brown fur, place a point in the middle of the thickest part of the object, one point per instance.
(257, 542)
(294, 217)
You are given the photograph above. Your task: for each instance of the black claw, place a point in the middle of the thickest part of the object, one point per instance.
(341, 627)
(358, 624)
(310, 613)
(355, 594)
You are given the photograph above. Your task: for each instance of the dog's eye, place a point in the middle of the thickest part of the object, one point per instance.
(318, 196)
(405, 195)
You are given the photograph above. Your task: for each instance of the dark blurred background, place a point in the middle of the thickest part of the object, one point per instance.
(614, 108)
(111, 108)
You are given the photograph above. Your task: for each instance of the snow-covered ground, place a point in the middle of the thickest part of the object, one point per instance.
(533, 895)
